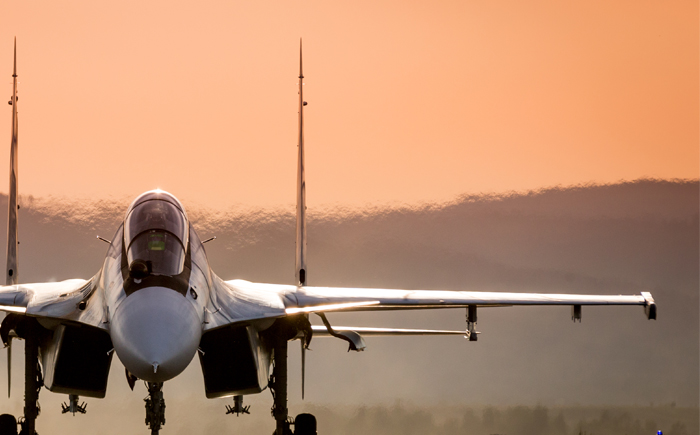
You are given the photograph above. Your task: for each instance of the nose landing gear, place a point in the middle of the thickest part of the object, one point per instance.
(155, 407)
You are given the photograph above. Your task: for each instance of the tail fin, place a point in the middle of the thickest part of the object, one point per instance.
(11, 271)
(300, 267)
(12, 207)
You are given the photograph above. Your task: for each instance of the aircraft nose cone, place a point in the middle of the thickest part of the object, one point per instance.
(155, 332)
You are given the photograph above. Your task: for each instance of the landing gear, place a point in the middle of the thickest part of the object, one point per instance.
(8, 425)
(278, 387)
(33, 380)
(30, 331)
(155, 407)
(305, 424)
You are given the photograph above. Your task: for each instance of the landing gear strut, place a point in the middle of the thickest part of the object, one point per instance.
(278, 387)
(155, 407)
(304, 424)
(33, 380)
(290, 328)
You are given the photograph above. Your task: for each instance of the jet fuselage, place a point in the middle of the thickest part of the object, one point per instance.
(157, 282)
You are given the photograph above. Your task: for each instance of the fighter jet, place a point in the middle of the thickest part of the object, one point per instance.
(155, 303)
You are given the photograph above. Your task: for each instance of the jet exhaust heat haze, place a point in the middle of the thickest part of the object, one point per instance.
(156, 303)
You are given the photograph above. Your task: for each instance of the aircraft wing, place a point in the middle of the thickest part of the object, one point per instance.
(72, 300)
(323, 299)
(239, 300)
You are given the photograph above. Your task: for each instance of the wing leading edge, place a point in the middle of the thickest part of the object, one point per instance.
(73, 300)
(312, 299)
(284, 300)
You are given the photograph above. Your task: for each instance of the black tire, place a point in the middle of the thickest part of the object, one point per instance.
(8, 425)
(305, 424)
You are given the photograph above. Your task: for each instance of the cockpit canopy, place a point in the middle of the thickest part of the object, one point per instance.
(156, 234)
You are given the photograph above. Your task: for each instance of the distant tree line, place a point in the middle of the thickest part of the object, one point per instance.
(517, 420)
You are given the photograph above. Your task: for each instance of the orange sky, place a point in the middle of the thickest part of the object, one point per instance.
(408, 100)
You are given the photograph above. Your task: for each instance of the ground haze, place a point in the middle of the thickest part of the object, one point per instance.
(529, 363)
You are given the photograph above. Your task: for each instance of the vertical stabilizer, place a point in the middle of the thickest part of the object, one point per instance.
(300, 264)
(11, 270)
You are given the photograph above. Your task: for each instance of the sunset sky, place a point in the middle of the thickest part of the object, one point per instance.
(408, 100)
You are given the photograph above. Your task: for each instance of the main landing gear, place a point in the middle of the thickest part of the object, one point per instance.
(33, 381)
(8, 425)
(304, 424)
(278, 388)
(29, 330)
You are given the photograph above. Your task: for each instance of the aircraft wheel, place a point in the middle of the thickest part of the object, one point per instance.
(8, 425)
(305, 424)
